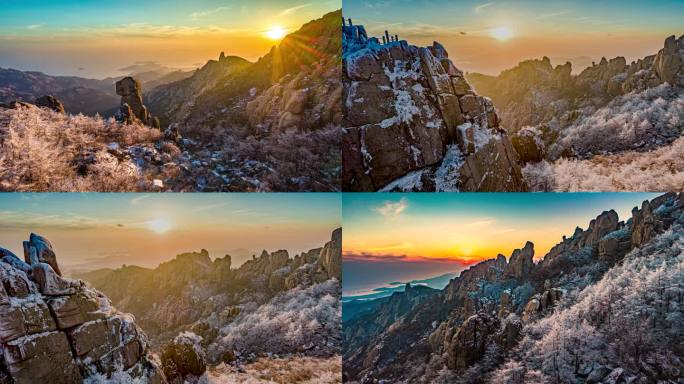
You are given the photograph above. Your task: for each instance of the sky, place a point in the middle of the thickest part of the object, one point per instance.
(95, 230)
(402, 237)
(94, 38)
(488, 36)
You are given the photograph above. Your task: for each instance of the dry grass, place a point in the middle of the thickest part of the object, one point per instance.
(304, 370)
(40, 150)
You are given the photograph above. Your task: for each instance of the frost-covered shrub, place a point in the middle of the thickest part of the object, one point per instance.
(659, 170)
(299, 320)
(630, 319)
(40, 151)
(636, 121)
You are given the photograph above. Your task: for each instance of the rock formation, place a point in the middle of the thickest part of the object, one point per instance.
(132, 107)
(57, 330)
(50, 102)
(412, 122)
(178, 294)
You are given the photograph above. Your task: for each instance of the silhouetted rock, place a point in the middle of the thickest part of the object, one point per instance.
(50, 102)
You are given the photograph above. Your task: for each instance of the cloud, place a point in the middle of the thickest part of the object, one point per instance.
(200, 14)
(481, 222)
(507, 230)
(378, 4)
(365, 257)
(35, 221)
(290, 10)
(481, 7)
(35, 26)
(137, 200)
(392, 209)
(554, 14)
(404, 245)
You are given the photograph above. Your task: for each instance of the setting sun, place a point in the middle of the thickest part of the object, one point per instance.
(159, 225)
(501, 33)
(276, 33)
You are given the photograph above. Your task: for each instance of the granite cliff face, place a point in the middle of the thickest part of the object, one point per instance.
(57, 330)
(412, 122)
(498, 320)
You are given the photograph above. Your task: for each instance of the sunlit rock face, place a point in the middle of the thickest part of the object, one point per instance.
(412, 122)
(57, 330)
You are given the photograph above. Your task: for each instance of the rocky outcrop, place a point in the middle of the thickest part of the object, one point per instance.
(521, 263)
(183, 358)
(50, 102)
(406, 108)
(669, 62)
(132, 107)
(57, 330)
(469, 342)
(645, 225)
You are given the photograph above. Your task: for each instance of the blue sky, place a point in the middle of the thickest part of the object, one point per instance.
(576, 31)
(99, 229)
(97, 38)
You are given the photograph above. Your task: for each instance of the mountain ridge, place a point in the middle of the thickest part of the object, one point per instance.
(464, 332)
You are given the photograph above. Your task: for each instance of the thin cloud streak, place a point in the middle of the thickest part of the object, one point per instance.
(290, 10)
(200, 14)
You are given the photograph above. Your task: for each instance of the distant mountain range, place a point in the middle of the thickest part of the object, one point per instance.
(79, 95)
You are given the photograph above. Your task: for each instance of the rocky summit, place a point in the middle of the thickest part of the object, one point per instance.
(57, 330)
(414, 123)
(571, 316)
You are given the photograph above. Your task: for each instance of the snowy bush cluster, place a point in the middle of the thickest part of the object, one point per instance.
(298, 320)
(629, 323)
(39, 149)
(659, 170)
(635, 121)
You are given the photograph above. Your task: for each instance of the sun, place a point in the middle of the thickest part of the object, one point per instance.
(501, 33)
(276, 33)
(159, 225)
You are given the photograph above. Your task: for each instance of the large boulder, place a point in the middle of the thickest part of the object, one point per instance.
(183, 358)
(50, 102)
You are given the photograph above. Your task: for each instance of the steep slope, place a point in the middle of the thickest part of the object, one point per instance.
(412, 122)
(57, 330)
(465, 332)
(609, 108)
